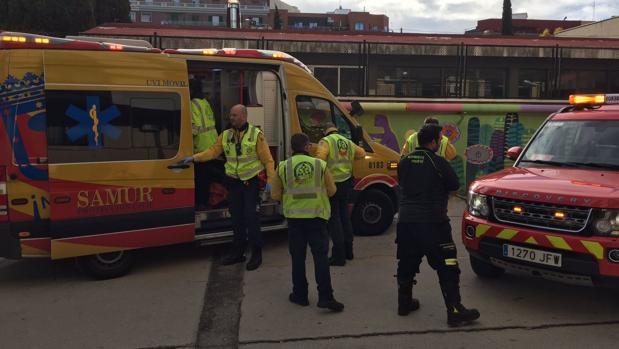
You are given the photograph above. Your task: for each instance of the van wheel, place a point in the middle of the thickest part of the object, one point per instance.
(107, 265)
(484, 269)
(373, 213)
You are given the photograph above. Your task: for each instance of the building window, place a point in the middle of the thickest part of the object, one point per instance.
(96, 126)
(613, 81)
(485, 83)
(582, 81)
(132, 16)
(146, 17)
(410, 82)
(359, 26)
(313, 25)
(298, 25)
(329, 77)
(350, 81)
(532, 83)
(215, 20)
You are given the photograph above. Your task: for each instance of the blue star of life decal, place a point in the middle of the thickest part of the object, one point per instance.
(93, 122)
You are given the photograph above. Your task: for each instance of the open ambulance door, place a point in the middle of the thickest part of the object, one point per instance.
(114, 179)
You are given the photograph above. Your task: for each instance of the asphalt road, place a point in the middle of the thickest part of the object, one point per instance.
(177, 297)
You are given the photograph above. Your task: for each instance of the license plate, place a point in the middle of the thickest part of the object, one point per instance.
(531, 255)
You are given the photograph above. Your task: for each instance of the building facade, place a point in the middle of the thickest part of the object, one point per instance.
(202, 13)
(608, 28)
(420, 66)
(523, 26)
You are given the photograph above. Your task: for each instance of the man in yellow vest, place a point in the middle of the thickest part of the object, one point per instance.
(446, 150)
(339, 152)
(204, 133)
(247, 154)
(307, 185)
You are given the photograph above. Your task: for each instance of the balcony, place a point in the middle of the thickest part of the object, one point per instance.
(182, 7)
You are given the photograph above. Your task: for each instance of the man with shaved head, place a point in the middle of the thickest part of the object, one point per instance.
(247, 154)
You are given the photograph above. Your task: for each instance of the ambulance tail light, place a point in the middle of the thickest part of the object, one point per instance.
(4, 208)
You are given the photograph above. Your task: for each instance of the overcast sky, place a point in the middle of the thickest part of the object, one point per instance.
(456, 16)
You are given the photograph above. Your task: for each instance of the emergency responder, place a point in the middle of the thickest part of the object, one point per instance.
(204, 133)
(339, 153)
(307, 185)
(247, 154)
(423, 227)
(446, 149)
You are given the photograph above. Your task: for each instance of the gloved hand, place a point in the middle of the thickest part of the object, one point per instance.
(268, 187)
(188, 160)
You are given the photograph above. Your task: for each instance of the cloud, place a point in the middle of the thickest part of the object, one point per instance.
(455, 16)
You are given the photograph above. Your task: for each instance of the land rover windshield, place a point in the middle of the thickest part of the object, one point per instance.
(575, 143)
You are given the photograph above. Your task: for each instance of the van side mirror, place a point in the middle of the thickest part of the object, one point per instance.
(357, 134)
(513, 153)
(356, 109)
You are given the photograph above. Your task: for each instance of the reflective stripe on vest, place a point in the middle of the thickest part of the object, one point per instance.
(203, 123)
(339, 165)
(246, 165)
(413, 143)
(304, 197)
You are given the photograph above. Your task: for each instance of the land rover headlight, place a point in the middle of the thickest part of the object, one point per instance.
(606, 223)
(478, 205)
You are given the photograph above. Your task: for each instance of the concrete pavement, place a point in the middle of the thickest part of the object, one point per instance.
(47, 304)
(509, 305)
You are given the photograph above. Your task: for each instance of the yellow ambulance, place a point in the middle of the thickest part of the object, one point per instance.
(92, 136)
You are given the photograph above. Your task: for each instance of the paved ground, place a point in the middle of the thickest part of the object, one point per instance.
(177, 298)
(510, 306)
(47, 304)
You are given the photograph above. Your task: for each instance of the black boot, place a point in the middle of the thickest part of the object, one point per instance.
(458, 315)
(236, 255)
(349, 252)
(406, 302)
(256, 259)
(331, 304)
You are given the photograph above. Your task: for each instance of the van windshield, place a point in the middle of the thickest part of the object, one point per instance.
(575, 143)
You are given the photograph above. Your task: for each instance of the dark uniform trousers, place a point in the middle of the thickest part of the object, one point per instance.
(340, 227)
(434, 241)
(312, 232)
(243, 198)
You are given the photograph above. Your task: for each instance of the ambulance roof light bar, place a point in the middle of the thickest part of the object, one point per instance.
(241, 53)
(585, 100)
(11, 40)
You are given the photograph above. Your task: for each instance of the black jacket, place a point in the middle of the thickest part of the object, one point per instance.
(426, 180)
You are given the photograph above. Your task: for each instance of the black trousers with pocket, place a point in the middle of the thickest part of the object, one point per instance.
(301, 233)
(434, 241)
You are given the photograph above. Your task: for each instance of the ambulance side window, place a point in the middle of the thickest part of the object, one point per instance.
(316, 113)
(97, 126)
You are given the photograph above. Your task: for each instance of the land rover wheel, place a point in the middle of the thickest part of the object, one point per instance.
(107, 265)
(484, 269)
(373, 213)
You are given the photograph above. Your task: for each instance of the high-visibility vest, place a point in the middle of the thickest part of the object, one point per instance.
(202, 125)
(246, 164)
(413, 143)
(341, 156)
(304, 192)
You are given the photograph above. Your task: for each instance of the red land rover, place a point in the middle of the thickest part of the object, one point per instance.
(555, 213)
